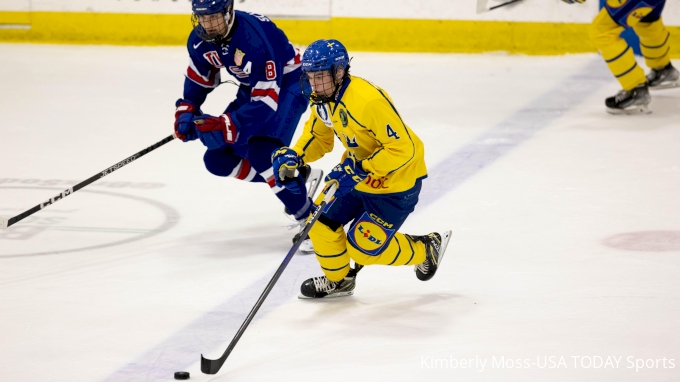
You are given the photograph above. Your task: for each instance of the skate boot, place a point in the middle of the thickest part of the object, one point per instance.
(312, 178)
(322, 287)
(435, 245)
(663, 78)
(630, 101)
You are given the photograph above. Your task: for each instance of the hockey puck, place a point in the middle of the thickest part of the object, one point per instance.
(181, 375)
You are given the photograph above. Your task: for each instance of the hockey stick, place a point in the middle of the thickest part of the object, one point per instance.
(4, 223)
(212, 366)
(481, 5)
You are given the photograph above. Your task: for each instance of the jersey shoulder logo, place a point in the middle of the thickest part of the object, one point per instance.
(238, 57)
(343, 118)
(323, 114)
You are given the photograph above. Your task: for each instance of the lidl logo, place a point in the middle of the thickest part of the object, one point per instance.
(638, 14)
(368, 236)
(616, 3)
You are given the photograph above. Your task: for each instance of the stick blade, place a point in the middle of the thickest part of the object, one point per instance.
(481, 6)
(3, 223)
(211, 366)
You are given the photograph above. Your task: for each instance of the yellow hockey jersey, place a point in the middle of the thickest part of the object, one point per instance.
(366, 122)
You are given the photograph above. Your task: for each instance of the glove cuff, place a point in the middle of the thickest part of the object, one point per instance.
(183, 106)
(359, 170)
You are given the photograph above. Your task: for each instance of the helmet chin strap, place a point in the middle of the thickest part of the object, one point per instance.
(230, 23)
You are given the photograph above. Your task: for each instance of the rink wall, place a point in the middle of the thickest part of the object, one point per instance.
(530, 26)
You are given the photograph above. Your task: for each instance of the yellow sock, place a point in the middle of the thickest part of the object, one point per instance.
(400, 250)
(654, 43)
(330, 248)
(615, 51)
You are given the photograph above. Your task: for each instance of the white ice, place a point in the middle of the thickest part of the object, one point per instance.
(564, 263)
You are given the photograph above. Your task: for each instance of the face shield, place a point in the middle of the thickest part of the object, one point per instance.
(321, 86)
(214, 27)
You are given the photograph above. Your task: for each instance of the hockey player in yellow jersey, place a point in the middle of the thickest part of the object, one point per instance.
(379, 176)
(645, 18)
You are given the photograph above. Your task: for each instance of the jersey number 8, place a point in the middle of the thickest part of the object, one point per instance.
(270, 70)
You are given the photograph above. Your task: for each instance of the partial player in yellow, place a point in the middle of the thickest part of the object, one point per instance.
(644, 16)
(379, 177)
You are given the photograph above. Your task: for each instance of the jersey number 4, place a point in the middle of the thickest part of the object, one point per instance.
(391, 133)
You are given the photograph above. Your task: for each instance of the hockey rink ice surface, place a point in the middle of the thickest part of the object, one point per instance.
(564, 264)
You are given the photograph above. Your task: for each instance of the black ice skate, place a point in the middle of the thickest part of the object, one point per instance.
(435, 245)
(312, 178)
(663, 78)
(322, 287)
(630, 101)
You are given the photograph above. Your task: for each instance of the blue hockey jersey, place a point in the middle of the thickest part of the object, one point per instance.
(259, 56)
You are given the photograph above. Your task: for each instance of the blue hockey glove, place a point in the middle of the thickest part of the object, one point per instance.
(184, 127)
(215, 132)
(284, 163)
(347, 175)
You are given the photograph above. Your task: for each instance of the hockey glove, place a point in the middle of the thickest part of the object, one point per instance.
(215, 132)
(184, 127)
(284, 163)
(574, 1)
(347, 175)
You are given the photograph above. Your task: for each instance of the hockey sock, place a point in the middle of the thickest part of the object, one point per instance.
(654, 43)
(330, 247)
(615, 51)
(400, 250)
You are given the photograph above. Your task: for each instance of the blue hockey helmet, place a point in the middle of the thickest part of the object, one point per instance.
(324, 55)
(213, 19)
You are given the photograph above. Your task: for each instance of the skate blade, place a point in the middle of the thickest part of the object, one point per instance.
(334, 295)
(668, 85)
(638, 109)
(445, 243)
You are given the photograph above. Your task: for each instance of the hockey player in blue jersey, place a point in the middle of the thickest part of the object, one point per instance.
(268, 104)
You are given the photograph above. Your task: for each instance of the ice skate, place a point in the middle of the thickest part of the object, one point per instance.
(312, 178)
(435, 245)
(634, 101)
(322, 287)
(663, 78)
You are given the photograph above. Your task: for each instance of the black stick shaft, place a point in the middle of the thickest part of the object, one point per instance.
(212, 366)
(504, 4)
(65, 193)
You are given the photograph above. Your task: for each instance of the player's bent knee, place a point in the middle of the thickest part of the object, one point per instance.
(219, 163)
(326, 240)
(321, 231)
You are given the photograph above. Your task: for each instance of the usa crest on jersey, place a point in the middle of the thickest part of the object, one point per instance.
(238, 57)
